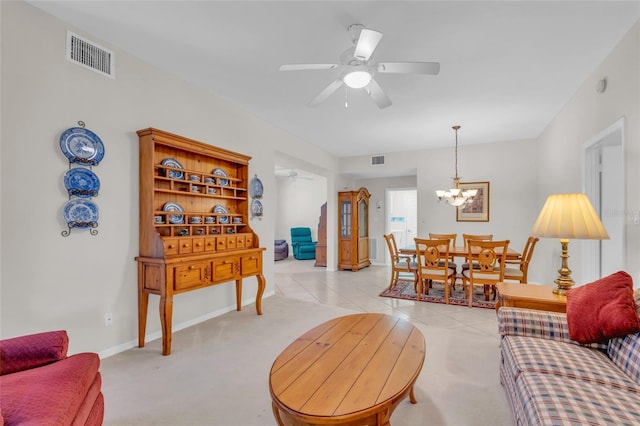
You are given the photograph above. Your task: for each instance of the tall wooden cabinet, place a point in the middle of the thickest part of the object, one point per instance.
(194, 230)
(353, 228)
(321, 246)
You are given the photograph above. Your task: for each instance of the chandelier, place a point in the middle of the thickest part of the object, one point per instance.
(456, 196)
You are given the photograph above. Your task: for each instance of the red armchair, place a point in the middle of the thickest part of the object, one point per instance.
(40, 384)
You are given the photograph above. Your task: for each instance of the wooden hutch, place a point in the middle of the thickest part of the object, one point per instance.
(194, 230)
(353, 229)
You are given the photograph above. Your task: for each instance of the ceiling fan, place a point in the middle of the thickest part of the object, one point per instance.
(357, 67)
(293, 175)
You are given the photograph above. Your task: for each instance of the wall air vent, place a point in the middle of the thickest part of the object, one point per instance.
(88, 54)
(377, 160)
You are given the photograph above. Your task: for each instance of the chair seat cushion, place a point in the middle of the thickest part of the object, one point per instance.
(513, 272)
(49, 395)
(403, 265)
(548, 399)
(544, 356)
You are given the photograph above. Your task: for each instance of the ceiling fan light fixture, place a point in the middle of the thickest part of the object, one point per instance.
(357, 79)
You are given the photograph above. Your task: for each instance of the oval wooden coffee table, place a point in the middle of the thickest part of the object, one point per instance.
(350, 370)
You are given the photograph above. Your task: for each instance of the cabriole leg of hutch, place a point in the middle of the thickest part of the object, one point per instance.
(261, 286)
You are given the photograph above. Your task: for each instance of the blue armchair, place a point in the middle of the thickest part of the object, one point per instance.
(303, 247)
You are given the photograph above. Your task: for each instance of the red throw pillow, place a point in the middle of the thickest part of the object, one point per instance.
(603, 309)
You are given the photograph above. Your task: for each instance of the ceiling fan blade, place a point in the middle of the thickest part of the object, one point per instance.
(304, 67)
(367, 43)
(322, 96)
(377, 94)
(432, 68)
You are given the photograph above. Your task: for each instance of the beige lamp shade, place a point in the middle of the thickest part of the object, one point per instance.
(569, 216)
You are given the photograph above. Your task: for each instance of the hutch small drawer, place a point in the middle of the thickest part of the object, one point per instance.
(198, 245)
(171, 246)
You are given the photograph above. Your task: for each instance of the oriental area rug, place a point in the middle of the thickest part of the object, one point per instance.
(404, 290)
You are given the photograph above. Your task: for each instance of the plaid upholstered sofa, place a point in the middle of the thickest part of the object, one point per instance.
(552, 380)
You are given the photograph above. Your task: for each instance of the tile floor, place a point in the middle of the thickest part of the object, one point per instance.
(218, 371)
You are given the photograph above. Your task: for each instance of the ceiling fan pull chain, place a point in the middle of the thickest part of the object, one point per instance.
(346, 101)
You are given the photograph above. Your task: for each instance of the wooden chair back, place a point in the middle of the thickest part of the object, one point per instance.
(467, 237)
(523, 262)
(490, 259)
(489, 264)
(392, 246)
(433, 264)
(400, 263)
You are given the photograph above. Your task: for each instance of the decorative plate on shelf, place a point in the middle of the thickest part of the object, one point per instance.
(81, 214)
(256, 208)
(255, 187)
(81, 182)
(81, 146)
(173, 174)
(221, 210)
(220, 172)
(170, 206)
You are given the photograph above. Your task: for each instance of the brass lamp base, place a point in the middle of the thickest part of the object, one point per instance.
(564, 281)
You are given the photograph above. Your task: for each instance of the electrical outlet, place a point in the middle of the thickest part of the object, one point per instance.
(108, 319)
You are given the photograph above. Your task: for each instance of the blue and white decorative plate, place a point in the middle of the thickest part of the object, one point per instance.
(173, 174)
(81, 182)
(256, 208)
(255, 187)
(170, 206)
(81, 214)
(221, 210)
(220, 172)
(81, 146)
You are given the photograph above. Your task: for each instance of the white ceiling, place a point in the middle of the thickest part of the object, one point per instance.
(507, 67)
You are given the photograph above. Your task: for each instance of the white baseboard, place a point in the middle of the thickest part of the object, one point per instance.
(177, 327)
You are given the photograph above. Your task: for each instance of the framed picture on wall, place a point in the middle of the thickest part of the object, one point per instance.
(478, 209)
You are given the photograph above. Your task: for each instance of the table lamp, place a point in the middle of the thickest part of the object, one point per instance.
(568, 216)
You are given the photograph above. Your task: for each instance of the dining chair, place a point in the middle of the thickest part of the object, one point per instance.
(519, 273)
(490, 257)
(466, 238)
(452, 243)
(400, 263)
(433, 265)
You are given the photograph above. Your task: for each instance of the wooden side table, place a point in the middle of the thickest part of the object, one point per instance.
(530, 296)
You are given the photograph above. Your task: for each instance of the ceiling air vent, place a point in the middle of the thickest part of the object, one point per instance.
(377, 160)
(88, 54)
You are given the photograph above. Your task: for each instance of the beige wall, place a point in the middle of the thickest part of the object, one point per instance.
(52, 282)
(584, 116)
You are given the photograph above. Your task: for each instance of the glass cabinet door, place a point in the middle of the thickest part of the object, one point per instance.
(363, 216)
(345, 211)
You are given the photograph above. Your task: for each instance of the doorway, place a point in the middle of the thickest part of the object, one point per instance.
(604, 184)
(402, 215)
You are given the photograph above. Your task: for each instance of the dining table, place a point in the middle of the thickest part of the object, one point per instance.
(462, 251)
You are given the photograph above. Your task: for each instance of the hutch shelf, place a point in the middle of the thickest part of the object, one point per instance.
(194, 230)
